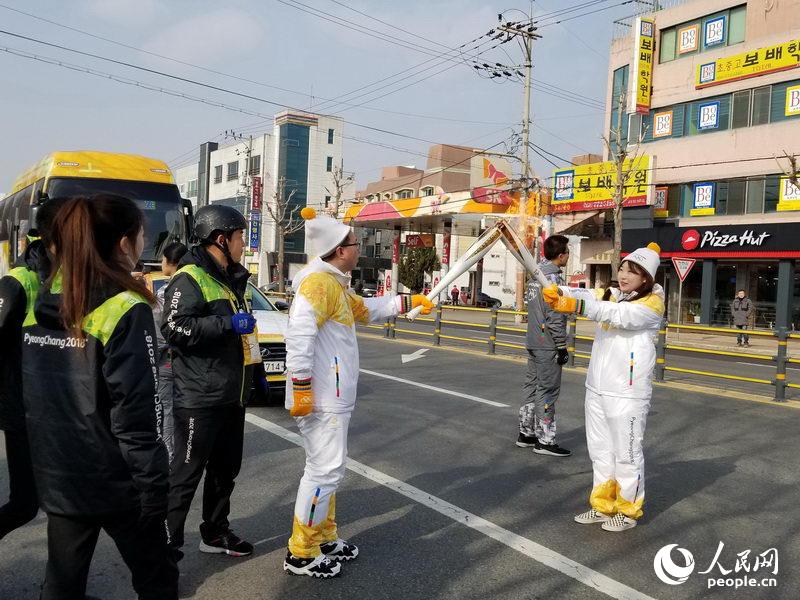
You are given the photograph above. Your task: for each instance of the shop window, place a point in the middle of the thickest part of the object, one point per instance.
(785, 104)
(736, 25)
(634, 128)
(736, 197)
(618, 91)
(674, 200)
(741, 109)
(771, 193)
(668, 37)
(724, 292)
(761, 101)
(721, 200)
(763, 291)
(755, 196)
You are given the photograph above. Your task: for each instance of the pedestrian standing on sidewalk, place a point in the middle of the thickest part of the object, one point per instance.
(454, 293)
(89, 381)
(619, 383)
(322, 364)
(173, 254)
(213, 342)
(742, 311)
(546, 342)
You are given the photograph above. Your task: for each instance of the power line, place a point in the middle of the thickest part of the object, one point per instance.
(393, 26)
(177, 78)
(570, 18)
(232, 76)
(347, 24)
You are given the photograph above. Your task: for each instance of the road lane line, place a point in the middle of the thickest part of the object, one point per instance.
(523, 545)
(435, 389)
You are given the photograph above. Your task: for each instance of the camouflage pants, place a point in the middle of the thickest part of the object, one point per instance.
(537, 415)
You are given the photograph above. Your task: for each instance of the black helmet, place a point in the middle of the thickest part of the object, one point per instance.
(217, 217)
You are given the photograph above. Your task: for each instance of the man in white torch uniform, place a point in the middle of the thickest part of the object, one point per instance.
(322, 363)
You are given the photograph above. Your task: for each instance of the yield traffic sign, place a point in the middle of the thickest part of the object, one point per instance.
(683, 266)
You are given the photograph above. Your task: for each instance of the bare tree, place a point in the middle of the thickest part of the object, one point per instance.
(791, 173)
(340, 181)
(287, 221)
(624, 159)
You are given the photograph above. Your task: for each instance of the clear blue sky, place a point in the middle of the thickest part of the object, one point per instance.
(45, 107)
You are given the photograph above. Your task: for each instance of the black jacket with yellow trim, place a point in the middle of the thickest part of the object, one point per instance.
(17, 294)
(92, 408)
(207, 354)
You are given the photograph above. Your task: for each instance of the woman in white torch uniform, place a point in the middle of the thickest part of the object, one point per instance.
(618, 384)
(322, 363)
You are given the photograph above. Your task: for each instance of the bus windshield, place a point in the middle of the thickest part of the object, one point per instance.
(160, 203)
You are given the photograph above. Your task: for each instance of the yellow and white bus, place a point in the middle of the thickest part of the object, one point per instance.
(146, 181)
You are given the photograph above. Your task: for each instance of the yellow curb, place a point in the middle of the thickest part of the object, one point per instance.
(685, 387)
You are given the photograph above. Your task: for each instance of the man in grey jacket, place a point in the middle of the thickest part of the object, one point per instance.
(547, 352)
(741, 310)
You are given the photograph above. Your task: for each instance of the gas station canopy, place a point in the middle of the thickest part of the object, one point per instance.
(465, 211)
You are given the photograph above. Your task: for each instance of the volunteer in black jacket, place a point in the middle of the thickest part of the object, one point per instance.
(211, 333)
(17, 292)
(89, 381)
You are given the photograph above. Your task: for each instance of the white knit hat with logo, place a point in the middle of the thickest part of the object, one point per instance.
(323, 232)
(648, 258)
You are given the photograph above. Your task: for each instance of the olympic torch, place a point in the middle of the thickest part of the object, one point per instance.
(473, 254)
(517, 248)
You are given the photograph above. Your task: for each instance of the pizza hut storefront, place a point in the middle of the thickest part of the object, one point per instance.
(759, 259)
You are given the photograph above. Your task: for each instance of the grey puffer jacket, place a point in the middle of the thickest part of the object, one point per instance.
(741, 310)
(547, 329)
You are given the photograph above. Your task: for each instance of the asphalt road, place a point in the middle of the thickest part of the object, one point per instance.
(709, 362)
(444, 505)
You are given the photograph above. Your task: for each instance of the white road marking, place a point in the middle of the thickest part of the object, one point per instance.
(436, 389)
(529, 548)
(413, 356)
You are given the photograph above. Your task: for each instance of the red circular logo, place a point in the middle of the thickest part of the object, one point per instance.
(690, 239)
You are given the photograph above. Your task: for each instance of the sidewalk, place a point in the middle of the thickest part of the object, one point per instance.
(707, 340)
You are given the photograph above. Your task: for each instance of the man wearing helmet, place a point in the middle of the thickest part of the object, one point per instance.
(211, 333)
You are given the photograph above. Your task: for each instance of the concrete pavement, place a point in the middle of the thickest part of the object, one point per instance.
(718, 471)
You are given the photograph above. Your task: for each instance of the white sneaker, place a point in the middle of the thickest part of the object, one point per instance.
(320, 566)
(592, 516)
(619, 522)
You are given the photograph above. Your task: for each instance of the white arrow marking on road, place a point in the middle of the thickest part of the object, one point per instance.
(436, 389)
(541, 554)
(414, 355)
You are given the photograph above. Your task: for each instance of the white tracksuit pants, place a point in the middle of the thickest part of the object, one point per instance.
(614, 432)
(325, 443)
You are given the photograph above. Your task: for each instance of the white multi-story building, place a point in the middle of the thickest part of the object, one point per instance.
(302, 150)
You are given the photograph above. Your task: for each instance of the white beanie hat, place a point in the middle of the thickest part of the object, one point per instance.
(648, 258)
(323, 232)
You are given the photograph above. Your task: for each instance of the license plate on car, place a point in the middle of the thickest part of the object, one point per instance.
(274, 366)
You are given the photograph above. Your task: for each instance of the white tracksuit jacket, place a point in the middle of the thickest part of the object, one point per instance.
(623, 353)
(321, 336)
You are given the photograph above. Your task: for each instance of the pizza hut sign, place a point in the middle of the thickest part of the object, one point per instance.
(712, 238)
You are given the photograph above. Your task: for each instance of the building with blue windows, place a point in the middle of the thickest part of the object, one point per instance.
(296, 157)
(715, 101)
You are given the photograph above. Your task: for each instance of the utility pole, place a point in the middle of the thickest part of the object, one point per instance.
(245, 184)
(527, 32)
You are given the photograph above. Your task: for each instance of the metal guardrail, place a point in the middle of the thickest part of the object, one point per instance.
(780, 359)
